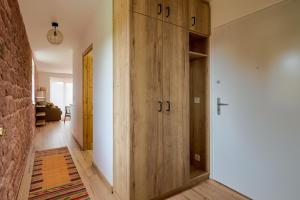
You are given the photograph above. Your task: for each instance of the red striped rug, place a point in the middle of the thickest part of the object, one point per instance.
(55, 176)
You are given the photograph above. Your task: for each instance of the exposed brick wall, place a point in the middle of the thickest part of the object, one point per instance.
(16, 110)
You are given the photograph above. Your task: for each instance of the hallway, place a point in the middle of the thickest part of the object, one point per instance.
(58, 134)
(149, 100)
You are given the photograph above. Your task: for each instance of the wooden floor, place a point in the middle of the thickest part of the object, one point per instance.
(209, 190)
(58, 134)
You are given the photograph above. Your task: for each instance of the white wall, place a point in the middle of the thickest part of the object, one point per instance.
(224, 11)
(98, 33)
(256, 140)
(44, 80)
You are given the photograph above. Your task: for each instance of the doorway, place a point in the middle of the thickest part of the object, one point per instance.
(88, 99)
(61, 91)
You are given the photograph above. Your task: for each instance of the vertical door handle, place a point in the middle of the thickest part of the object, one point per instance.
(159, 9)
(194, 21)
(168, 11)
(160, 106)
(219, 104)
(169, 106)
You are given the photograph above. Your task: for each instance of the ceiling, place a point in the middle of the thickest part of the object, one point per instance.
(73, 17)
(225, 11)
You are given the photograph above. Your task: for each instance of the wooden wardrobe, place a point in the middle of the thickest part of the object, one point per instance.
(153, 122)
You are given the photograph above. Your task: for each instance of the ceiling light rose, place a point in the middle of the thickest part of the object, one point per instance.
(54, 36)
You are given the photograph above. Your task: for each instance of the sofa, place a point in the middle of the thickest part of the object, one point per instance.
(53, 113)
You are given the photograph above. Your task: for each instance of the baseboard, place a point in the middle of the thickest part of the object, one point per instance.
(232, 190)
(24, 186)
(117, 196)
(99, 173)
(76, 141)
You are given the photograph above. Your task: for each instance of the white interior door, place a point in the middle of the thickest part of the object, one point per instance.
(256, 70)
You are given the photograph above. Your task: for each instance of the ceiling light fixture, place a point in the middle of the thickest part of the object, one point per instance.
(54, 36)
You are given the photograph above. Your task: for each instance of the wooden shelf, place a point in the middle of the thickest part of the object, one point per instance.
(40, 109)
(199, 178)
(40, 106)
(198, 35)
(196, 55)
(195, 172)
(40, 122)
(40, 114)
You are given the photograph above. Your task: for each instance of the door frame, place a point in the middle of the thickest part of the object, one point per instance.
(86, 52)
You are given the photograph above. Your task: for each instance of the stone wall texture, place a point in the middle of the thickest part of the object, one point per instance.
(16, 109)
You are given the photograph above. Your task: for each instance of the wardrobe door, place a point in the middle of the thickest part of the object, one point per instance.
(176, 109)
(147, 107)
(175, 12)
(199, 16)
(152, 8)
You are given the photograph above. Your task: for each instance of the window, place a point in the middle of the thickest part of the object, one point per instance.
(61, 92)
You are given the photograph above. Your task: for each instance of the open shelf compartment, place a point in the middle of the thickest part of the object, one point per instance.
(199, 139)
(198, 44)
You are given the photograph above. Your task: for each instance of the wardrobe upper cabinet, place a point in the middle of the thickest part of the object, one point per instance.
(199, 16)
(175, 12)
(152, 8)
(171, 11)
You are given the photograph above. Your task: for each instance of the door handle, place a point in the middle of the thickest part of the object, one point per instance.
(159, 9)
(160, 106)
(194, 21)
(168, 11)
(169, 106)
(219, 104)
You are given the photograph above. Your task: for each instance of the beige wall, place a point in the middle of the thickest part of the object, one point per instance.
(44, 80)
(224, 11)
(98, 33)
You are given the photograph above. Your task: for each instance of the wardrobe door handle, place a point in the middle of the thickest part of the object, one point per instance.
(194, 21)
(160, 106)
(159, 9)
(169, 106)
(168, 11)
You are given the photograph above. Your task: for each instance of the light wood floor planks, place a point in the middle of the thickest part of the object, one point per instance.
(209, 190)
(58, 134)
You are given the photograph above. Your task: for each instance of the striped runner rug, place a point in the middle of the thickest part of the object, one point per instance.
(55, 177)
